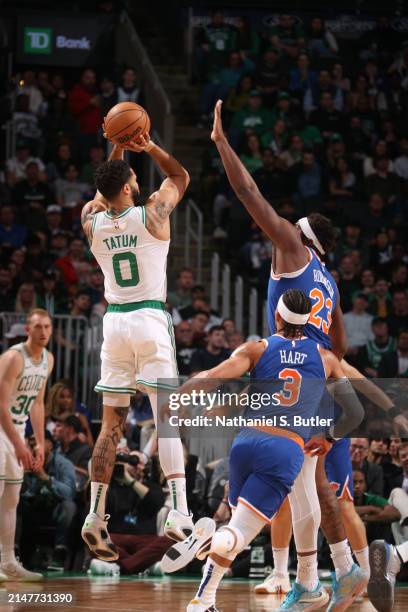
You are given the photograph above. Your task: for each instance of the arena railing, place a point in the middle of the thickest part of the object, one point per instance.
(75, 343)
(193, 239)
(234, 299)
(130, 51)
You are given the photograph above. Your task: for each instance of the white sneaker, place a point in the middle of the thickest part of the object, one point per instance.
(103, 568)
(274, 584)
(181, 553)
(16, 572)
(178, 526)
(195, 605)
(95, 534)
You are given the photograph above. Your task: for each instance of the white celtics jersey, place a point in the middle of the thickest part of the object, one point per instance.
(27, 386)
(133, 262)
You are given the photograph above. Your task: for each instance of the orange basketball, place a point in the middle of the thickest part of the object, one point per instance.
(125, 122)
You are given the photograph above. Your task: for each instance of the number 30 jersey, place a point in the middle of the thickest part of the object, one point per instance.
(318, 284)
(133, 261)
(27, 386)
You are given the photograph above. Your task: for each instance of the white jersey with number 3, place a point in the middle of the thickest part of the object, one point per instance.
(133, 261)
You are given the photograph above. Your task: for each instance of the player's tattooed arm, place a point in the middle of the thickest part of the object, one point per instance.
(88, 216)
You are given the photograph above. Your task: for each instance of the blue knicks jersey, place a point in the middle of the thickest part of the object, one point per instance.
(318, 284)
(292, 374)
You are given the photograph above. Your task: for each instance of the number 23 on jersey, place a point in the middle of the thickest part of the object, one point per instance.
(319, 304)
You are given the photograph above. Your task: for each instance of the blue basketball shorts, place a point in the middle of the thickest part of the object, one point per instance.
(339, 469)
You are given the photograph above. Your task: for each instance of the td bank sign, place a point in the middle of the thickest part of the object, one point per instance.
(40, 41)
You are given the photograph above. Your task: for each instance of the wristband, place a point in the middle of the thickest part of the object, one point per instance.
(149, 146)
(131, 483)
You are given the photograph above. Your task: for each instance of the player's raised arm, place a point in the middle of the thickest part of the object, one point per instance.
(11, 365)
(278, 229)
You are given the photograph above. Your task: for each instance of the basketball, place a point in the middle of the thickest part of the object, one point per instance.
(125, 122)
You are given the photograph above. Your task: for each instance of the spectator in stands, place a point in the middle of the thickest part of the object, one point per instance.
(339, 79)
(51, 295)
(367, 280)
(307, 180)
(66, 433)
(74, 267)
(61, 400)
(216, 40)
(129, 89)
(85, 105)
(398, 319)
(70, 191)
(256, 257)
(26, 123)
(315, 96)
(370, 355)
(59, 126)
(53, 221)
(234, 340)
(28, 86)
(321, 42)
(7, 290)
(375, 511)
(395, 443)
(48, 499)
(200, 304)
(273, 182)
(246, 37)
(251, 155)
(96, 157)
(380, 149)
(380, 299)
(81, 304)
(383, 182)
(95, 287)
(395, 363)
(16, 334)
(326, 117)
(287, 37)
(213, 354)
(358, 324)
(348, 284)
(26, 298)
(373, 473)
(302, 77)
(32, 189)
(182, 294)
(268, 75)
(277, 139)
(11, 233)
(254, 117)
(108, 94)
(184, 347)
(401, 163)
(57, 167)
(238, 97)
(342, 185)
(293, 154)
(399, 278)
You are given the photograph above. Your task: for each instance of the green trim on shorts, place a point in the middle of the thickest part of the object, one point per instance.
(156, 385)
(114, 389)
(170, 329)
(13, 481)
(130, 306)
(122, 214)
(143, 215)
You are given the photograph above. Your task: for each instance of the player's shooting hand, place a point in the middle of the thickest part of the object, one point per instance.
(217, 133)
(141, 145)
(24, 456)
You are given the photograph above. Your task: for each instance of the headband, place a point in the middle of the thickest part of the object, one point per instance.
(304, 225)
(289, 316)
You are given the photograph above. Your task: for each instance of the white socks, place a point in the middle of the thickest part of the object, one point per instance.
(362, 559)
(98, 498)
(177, 488)
(210, 581)
(280, 560)
(307, 571)
(341, 557)
(8, 514)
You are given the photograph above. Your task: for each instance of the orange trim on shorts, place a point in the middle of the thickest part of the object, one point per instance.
(278, 431)
(251, 507)
(346, 494)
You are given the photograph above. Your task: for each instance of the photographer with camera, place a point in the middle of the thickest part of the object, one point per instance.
(133, 503)
(48, 499)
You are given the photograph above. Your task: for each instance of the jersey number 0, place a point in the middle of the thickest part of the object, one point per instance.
(130, 258)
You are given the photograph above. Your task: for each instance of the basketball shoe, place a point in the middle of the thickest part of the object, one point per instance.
(180, 554)
(385, 565)
(347, 588)
(95, 534)
(15, 572)
(300, 599)
(103, 568)
(195, 605)
(178, 526)
(275, 584)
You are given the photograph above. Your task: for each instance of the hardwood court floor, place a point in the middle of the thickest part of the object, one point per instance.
(149, 595)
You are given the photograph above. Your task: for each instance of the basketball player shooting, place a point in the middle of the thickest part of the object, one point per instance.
(131, 244)
(24, 370)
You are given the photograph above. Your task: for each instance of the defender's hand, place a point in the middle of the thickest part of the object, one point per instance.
(217, 133)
